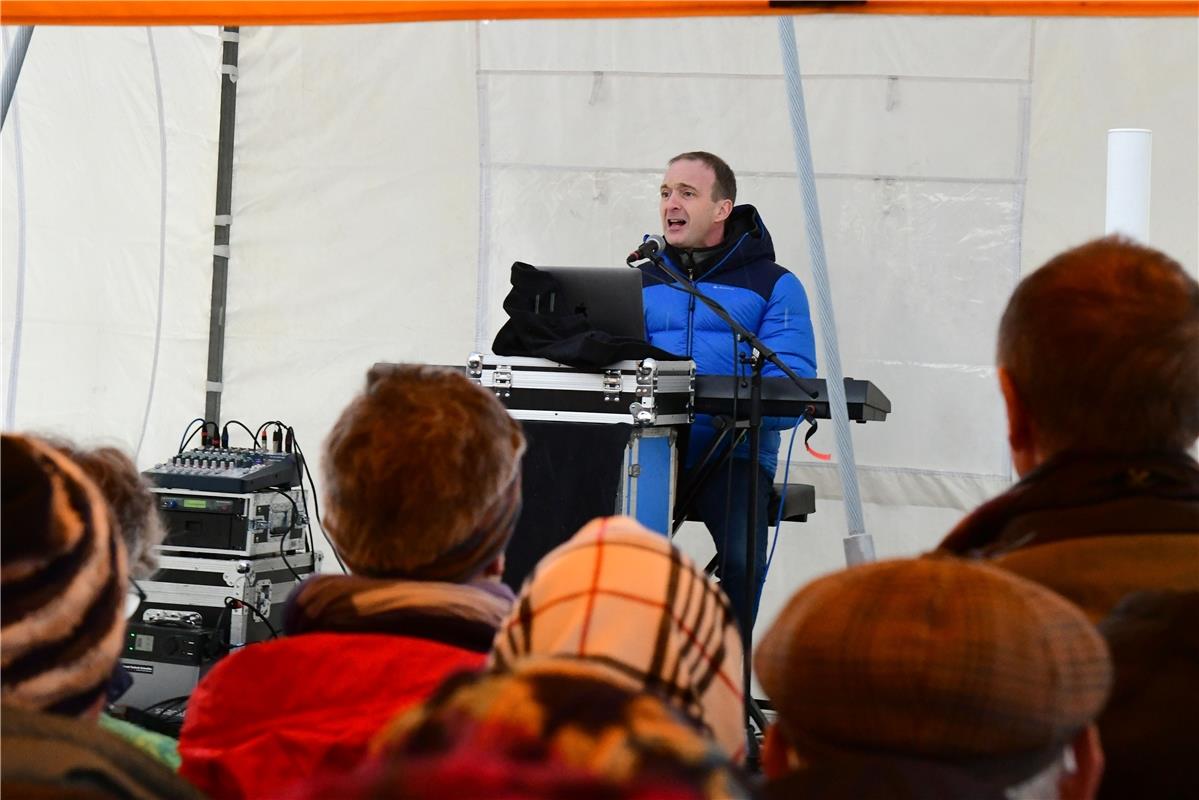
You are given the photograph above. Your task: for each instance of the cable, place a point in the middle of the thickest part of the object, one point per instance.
(267, 424)
(233, 602)
(222, 633)
(317, 504)
(283, 539)
(184, 439)
(193, 435)
(778, 524)
(279, 426)
(164, 705)
(290, 448)
(225, 430)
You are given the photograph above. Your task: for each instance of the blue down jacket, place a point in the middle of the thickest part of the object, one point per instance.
(741, 275)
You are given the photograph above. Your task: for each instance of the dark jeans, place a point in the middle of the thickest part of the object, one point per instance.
(725, 512)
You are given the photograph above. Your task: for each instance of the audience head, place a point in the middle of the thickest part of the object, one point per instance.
(628, 601)
(1099, 352)
(133, 504)
(1148, 726)
(944, 661)
(63, 583)
(567, 713)
(422, 474)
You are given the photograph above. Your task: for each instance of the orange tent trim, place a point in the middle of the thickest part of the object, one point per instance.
(325, 12)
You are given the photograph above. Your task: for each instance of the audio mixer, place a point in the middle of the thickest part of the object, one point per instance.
(231, 470)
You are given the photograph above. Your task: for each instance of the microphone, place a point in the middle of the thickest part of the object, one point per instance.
(648, 249)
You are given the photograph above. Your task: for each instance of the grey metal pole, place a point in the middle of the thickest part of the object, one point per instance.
(12, 68)
(859, 546)
(222, 223)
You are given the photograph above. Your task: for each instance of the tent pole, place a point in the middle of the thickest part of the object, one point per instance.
(859, 546)
(12, 68)
(221, 225)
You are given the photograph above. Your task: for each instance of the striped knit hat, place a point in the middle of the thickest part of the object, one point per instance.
(62, 582)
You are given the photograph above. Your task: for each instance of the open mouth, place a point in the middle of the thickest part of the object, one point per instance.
(675, 224)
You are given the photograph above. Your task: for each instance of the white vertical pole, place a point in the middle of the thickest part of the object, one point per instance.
(859, 545)
(1129, 164)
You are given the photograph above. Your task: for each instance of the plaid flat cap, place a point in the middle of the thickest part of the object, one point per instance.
(934, 658)
(624, 597)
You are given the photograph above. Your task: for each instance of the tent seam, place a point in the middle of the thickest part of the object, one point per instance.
(162, 233)
(762, 174)
(773, 76)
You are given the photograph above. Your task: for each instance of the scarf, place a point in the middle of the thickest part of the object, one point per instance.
(462, 614)
(1149, 493)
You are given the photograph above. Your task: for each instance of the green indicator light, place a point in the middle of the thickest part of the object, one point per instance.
(195, 503)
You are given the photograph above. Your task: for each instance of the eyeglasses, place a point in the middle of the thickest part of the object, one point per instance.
(134, 597)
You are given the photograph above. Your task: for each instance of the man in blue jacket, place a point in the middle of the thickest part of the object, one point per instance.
(727, 252)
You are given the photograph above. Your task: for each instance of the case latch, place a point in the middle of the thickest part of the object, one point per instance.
(645, 410)
(612, 385)
(474, 367)
(501, 380)
(647, 377)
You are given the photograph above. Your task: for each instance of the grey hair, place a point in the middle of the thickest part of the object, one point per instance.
(1044, 785)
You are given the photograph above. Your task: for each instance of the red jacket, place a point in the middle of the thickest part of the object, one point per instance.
(282, 711)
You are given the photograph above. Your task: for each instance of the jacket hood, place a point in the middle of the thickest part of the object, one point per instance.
(745, 240)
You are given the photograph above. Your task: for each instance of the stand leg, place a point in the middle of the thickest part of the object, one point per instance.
(751, 547)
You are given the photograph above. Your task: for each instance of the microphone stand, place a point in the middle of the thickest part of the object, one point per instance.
(761, 355)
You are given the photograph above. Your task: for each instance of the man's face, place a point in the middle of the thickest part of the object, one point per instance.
(690, 217)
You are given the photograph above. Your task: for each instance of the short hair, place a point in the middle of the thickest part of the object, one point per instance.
(1102, 346)
(133, 504)
(726, 181)
(417, 466)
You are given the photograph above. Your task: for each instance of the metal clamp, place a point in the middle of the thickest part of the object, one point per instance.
(644, 411)
(474, 367)
(647, 377)
(238, 575)
(263, 599)
(612, 385)
(501, 380)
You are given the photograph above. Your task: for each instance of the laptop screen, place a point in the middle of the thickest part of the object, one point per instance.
(609, 297)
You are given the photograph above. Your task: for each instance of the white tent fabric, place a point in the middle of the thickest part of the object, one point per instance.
(108, 195)
(387, 176)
